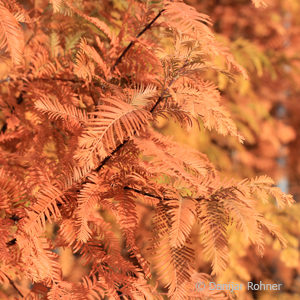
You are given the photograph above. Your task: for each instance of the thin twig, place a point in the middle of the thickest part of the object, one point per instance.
(148, 26)
(148, 195)
(107, 158)
(144, 193)
(73, 80)
(14, 286)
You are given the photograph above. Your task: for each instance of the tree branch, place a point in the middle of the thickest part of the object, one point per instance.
(144, 193)
(119, 59)
(147, 194)
(73, 80)
(107, 158)
(13, 241)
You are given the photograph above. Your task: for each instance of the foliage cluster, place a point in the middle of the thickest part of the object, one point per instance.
(83, 168)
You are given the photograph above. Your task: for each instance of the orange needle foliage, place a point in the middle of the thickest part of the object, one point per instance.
(81, 163)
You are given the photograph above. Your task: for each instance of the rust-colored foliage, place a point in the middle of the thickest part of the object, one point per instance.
(81, 164)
